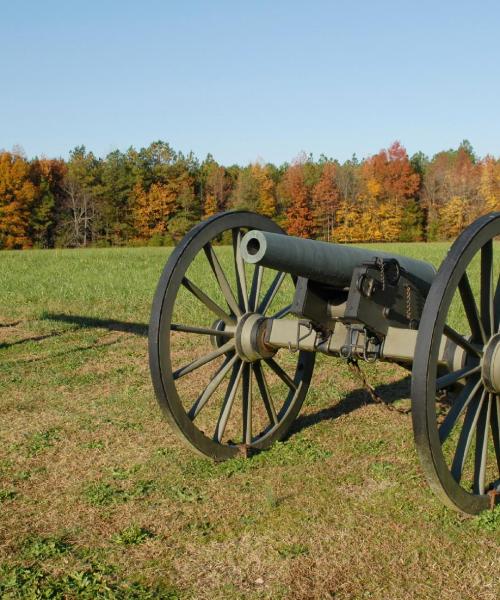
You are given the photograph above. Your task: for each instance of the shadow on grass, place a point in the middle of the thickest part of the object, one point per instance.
(33, 338)
(110, 324)
(11, 324)
(390, 393)
(81, 322)
(66, 352)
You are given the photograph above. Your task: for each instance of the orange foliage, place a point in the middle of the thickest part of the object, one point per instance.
(210, 207)
(17, 194)
(299, 218)
(158, 192)
(390, 184)
(389, 174)
(325, 201)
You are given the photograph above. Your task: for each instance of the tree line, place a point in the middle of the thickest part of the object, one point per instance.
(155, 195)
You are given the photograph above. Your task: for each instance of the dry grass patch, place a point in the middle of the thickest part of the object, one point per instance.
(96, 491)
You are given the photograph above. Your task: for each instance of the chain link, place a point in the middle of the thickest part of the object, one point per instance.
(408, 302)
(381, 266)
(355, 368)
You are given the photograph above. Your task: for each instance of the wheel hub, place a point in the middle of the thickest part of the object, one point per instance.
(491, 364)
(249, 338)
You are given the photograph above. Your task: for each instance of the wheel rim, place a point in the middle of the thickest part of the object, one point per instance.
(455, 414)
(206, 396)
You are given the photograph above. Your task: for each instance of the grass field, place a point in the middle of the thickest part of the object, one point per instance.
(98, 499)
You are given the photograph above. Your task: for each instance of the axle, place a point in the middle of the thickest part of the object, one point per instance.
(260, 337)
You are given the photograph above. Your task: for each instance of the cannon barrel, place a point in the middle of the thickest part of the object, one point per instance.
(332, 264)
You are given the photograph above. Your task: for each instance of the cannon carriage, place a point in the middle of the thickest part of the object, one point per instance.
(234, 334)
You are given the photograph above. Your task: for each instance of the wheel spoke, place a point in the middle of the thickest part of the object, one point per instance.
(247, 404)
(201, 330)
(487, 287)
(227, 405)
(481, 450)
(255, 289)
(221, 279)
(450, 378)
(208, 302)
(459, 339)
(282, 313)
(469, 302)
(457, 408)
(496, 307)
(203, 360)
(239, 265)
(271, 293)
(495, 426)
(212, 386)
(281, 374)
(264, 392)
(465, 439)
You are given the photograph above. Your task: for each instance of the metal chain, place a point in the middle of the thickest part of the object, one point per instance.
(355, 368)
(381, 266)
(408, 302)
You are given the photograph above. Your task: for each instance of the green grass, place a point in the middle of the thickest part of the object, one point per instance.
(132, 535)
(98, 498)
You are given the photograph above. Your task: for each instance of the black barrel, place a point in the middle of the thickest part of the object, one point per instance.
(332, 264)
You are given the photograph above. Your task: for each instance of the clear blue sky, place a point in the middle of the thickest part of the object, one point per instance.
(249, 80)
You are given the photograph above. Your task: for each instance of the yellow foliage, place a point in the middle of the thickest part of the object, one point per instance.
(154, 207)
(373, 187)
(267, 199)
(454, 217)
(390, 216)
(490, 184)
(369, 221)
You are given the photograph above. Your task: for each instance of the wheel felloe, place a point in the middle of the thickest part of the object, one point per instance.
(458, 442)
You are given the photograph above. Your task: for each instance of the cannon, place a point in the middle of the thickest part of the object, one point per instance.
(241, 311)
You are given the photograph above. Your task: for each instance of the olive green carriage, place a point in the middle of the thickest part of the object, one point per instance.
(242, 309)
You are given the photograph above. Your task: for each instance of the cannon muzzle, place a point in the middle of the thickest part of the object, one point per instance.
(331, 264)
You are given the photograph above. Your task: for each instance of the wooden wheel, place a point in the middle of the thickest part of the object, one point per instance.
(218, 386)
(456, 411)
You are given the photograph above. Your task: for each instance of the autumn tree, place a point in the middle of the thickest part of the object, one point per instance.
(299, 216)
(164, 192)
(391, 186)
(245, 195)
(325, 201)
(255, 190)
(450, 176)
(156, 194)
(490, 184)
(348, 221)
(17, 195)
(210, 205)
(216, 187)
(267, 205)
(153, 207)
